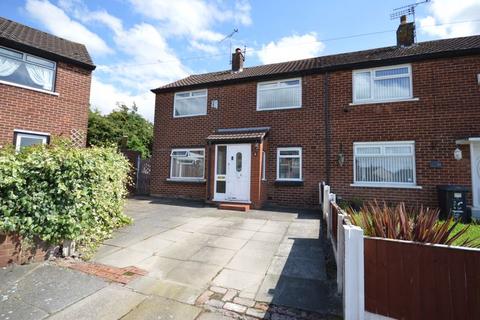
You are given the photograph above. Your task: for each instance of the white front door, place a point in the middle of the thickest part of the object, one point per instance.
(475, 155)
(232, 172)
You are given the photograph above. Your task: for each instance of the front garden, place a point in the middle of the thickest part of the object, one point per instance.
(51, 194)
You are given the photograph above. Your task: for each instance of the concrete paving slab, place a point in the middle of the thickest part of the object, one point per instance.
(213, 255)
(52, 288)
(268, 236)
(238, 280)
(155, 308)
(275, 226)
(298, 293)
(152, 244)
(253, 261)
(166, 289)
(109, 303)
(158, 267)
(122, 239)
(179, 250)
(214, 230)
(174, 235)
(304, 268)
(214, 316)
(124, 258)
(240, 234)
(14, 309)
(193, 273)
(227, 243)
(104, 250)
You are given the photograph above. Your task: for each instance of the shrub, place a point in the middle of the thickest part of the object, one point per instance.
(59, 192)
(420, 225)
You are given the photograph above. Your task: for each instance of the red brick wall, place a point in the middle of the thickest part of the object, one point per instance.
(448, 109)
(26, 109)
(11, 251)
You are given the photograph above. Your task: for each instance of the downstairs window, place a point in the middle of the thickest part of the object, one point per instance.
(385, 164)
(187, 164)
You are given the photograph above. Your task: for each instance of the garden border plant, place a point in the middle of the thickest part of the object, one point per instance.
(419, 225)
(60, 192)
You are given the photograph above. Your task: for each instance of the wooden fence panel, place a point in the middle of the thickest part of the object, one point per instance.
(407, 280)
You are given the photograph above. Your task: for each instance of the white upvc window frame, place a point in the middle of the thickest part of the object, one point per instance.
(373, 78)
(190, 92)
(186, 178)
(19, 134)
(300, 156)
(259, 85)
(383, 145)
(25, 59)
(264, 164)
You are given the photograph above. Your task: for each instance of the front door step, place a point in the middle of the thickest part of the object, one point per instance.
(234, 206)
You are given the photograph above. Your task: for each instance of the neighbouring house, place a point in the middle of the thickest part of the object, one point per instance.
(381, 123)
(44, 86)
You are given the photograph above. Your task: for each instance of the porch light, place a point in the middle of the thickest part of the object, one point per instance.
(457, 154)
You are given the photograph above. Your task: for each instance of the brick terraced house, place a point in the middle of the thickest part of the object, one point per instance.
(382, 123)
(44, 86)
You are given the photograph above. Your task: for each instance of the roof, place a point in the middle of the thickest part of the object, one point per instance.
(21, 37)
(365, 58)
(238, 135)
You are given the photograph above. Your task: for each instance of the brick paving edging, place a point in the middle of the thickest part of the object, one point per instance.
(114, 274)
(227, 301)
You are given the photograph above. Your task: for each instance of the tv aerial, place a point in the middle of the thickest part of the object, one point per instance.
(229, 37)
(408, 10)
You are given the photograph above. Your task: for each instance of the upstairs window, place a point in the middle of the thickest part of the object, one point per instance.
(284, 94)
(382, 84)
(190, 103)
(188, 164)
(384, 163)
(26, 70)
(289, 164)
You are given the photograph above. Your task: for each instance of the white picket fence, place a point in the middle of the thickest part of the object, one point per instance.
(347, 244)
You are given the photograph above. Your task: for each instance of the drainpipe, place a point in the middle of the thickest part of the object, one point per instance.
(326, 118)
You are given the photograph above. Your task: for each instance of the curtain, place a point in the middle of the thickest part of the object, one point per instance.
(41, 76)
(8, 66)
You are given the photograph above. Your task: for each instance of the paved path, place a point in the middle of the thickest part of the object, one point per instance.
(203, 263)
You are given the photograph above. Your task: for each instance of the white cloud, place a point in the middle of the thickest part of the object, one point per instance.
(193, 18)
(105, 98)
(289, 48)
(58, 23)
(447, 11)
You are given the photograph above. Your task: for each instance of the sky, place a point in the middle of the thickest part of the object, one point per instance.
(139, 45)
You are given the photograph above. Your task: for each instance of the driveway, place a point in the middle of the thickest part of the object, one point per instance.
(205, 263)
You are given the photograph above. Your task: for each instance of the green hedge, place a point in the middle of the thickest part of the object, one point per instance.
(61, 193)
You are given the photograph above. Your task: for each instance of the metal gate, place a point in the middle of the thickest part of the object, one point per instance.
(143, 177)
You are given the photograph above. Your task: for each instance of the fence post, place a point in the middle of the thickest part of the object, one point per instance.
(340, 252)
(353, 289)
(326, 202)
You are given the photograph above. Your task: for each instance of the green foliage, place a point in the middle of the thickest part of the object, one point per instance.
(110, 129)
(414, 225)
(59, 192)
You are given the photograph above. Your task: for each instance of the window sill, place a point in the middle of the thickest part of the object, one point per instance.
(190, 116)
(29, 88)
(279, 109)
(383, 101)
(391, 186)
(199, 181)
(293, 183)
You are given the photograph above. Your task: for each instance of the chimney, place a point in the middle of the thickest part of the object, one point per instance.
(237, 60)
(405, 33)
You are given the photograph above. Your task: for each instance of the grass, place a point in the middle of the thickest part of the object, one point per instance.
(473, 232)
